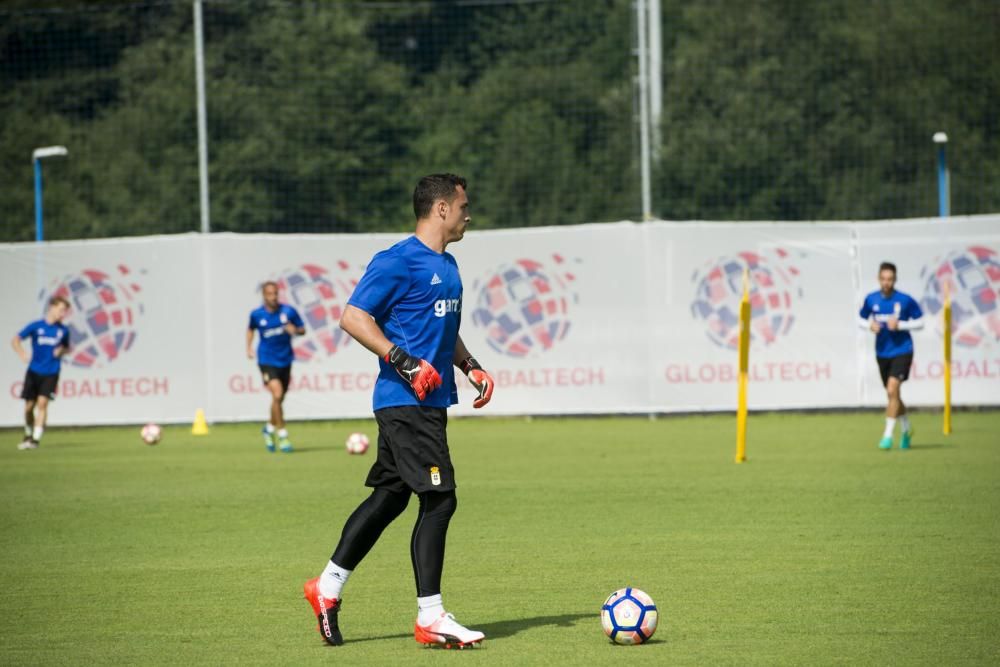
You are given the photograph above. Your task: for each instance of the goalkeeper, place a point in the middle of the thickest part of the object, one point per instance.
(407, 309)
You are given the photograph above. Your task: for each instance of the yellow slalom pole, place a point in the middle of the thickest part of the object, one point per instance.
(741, 402)
(946, 427)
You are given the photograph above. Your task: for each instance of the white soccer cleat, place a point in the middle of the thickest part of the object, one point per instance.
(446, 632)
(27, 443)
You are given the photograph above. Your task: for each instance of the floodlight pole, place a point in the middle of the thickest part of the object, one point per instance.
(944, 195)
(36, 157)
(644, 138)
(199, 75)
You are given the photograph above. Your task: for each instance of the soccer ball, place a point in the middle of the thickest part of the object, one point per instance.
(629, 616)
(151, 434)
(357, 443)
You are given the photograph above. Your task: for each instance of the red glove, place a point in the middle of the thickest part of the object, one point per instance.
(419, 374)
(480, 379)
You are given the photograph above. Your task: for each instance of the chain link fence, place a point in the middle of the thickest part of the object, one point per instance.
(322, 115)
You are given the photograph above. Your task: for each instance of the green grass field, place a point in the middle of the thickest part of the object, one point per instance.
(820, 550)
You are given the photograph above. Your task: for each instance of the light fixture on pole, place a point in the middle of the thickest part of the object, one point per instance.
(36, 157)
(944, 196)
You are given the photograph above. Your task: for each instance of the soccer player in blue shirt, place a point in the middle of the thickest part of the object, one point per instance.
(49, 342)
(407, 309)
(891, 316)
(276, 323)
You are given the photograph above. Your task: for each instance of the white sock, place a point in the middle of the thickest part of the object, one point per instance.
(36, 435)
(332, 581)
(890, 424)
(282, 434)
(27, 431)
(429, 609)
(904, 423)
(269, 428)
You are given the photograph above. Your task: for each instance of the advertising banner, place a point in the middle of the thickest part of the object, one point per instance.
(604, 318)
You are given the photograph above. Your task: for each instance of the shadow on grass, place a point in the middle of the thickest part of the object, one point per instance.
(499, 629)
(932, 445)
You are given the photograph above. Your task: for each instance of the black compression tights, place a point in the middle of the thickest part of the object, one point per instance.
(372, 516)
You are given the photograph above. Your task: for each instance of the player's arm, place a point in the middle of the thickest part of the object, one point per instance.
(295, 326)
(19, 348)
(865, 320)
(418, 373)
(914, 320)
(62, 348)
(480, 379)
(249, 343)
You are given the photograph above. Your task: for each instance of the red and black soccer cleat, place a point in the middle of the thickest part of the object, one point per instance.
(325, 610)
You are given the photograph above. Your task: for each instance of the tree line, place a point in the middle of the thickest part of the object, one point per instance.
(321, 115)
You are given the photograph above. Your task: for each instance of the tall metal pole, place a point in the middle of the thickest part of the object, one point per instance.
(37, 156)
(39, 225)
(655, 73)
(944, 196)
(199, 72)
(644, 153)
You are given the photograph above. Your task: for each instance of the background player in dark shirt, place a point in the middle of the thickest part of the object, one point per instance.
(407, 309)
(49, 342)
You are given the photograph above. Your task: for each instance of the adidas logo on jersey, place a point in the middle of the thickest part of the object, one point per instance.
(436, 280)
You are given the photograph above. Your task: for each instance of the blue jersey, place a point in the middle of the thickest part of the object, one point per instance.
(881, 308)
(275, 345)
(415, 296)
(45, 340)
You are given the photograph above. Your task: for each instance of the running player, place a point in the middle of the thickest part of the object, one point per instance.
(49, 342)
(407, 309)
(892, 315)
(276, 323)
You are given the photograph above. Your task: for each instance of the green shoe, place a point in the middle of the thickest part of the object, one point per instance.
(905, 442)
(885, 443)
(285, 445)
(268, 439)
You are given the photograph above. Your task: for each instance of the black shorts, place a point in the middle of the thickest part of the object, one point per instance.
(36, 385)
(283, 374)
(895, 367)
(412, 450)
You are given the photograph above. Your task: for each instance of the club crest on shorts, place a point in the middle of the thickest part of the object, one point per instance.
(435, 476)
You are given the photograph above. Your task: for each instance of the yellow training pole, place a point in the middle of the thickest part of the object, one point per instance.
(946, 427)
(741, 402)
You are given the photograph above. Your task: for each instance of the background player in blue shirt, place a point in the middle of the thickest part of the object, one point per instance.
(407, 309)
(49, 342)
(892, 315)
(275, 323)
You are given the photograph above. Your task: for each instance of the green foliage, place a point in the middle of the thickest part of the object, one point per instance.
(798, 111)
(322, 115)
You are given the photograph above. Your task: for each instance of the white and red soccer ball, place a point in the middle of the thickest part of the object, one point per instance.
(357, 443)
(629, 616)
(151, 434)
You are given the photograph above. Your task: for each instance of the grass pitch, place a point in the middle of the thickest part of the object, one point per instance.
(820, 550)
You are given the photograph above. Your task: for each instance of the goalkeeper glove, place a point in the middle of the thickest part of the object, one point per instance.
(480, 379)
(419, 374)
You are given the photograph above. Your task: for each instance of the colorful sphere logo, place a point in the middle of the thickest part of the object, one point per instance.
(972, 277)
(320, 298)
(103, 314)
(524, 306)
(719, 289)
